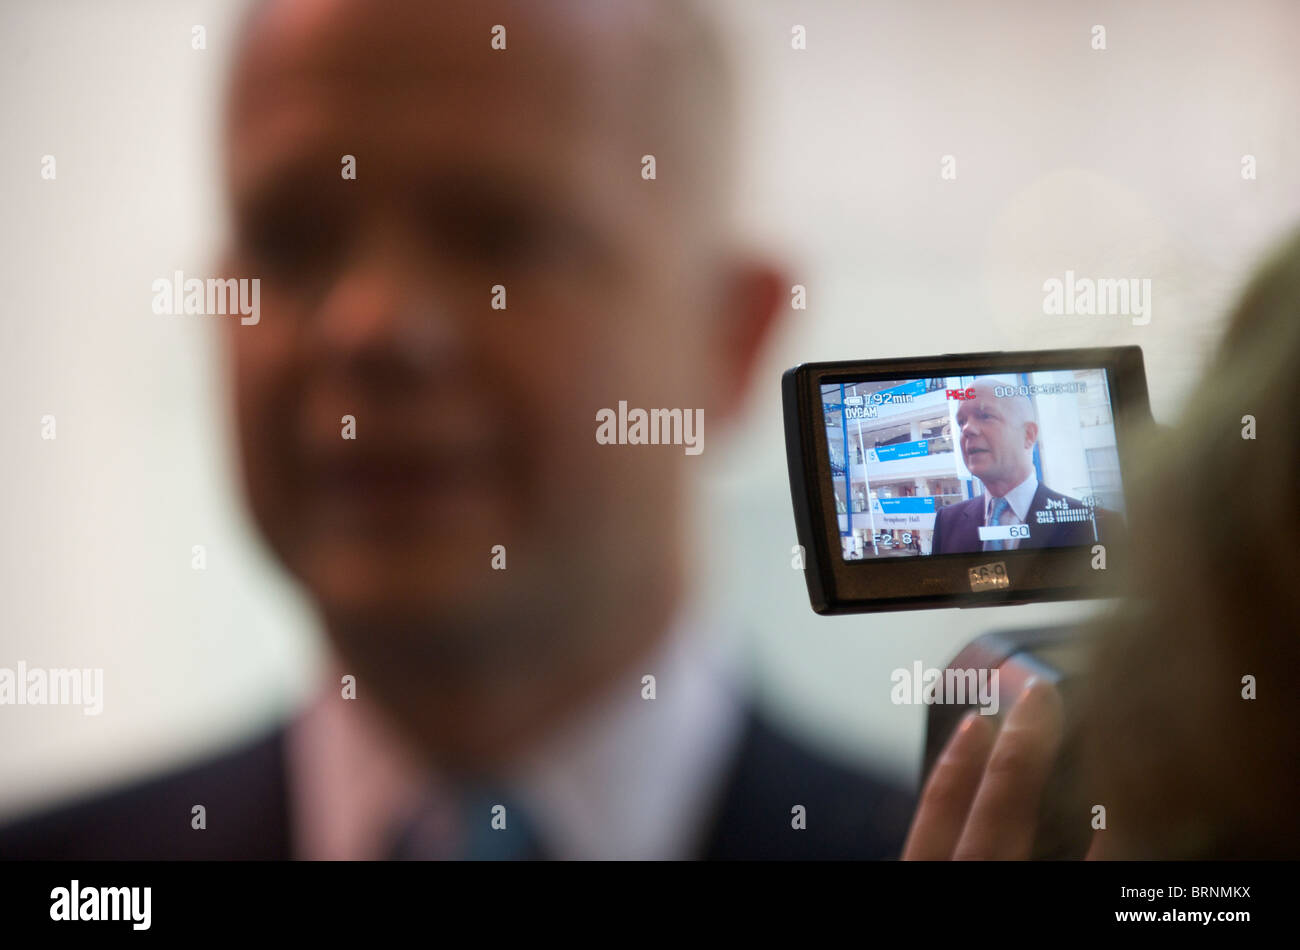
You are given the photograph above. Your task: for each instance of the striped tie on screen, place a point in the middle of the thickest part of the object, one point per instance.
(1000, 505)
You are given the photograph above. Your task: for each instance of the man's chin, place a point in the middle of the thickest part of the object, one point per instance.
(405, 585)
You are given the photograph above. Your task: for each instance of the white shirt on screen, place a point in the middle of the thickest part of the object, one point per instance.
(1018, 500)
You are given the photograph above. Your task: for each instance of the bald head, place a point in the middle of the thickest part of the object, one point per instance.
(1006, 392)
(650, 75)
(998, 432)
(458, 249)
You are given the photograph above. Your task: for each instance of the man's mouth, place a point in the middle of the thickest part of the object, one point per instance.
(406, 492)
(390, 474)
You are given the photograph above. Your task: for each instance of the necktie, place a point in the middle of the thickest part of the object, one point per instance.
(1000, 505)
(485, 824)
(497, 828)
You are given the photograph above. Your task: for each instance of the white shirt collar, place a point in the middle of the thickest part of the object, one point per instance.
(628, 778)
(1019, 498)
(635, 778)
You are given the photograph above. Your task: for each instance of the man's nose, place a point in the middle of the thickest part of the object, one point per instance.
(384, 317)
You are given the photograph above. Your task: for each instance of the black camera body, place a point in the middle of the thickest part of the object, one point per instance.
(979, 479)
(890, 464)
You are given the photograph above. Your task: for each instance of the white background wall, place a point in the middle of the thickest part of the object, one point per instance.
(1120, 163)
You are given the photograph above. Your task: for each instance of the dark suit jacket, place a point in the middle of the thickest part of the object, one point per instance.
(956, 528)
(849, 814)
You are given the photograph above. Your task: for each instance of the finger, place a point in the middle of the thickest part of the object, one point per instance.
(949, 791)
(1005, 813)
(1097, 849)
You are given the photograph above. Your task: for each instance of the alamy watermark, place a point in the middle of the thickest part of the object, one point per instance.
(958, 687)
(80, 902)
(210, 297)
(36, 686)
(651, 427)
(1104, 296)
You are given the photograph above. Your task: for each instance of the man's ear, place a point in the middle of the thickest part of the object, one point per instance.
(753, 301)
(1031, 434)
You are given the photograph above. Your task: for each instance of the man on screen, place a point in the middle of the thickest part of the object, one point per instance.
(998, 435)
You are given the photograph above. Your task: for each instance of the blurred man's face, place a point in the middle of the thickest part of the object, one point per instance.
(475, 169)
(996, 437)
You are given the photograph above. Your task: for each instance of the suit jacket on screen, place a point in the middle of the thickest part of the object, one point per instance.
(956, 528)
(246, 793)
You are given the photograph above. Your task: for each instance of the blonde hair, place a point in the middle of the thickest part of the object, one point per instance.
(1185, 765)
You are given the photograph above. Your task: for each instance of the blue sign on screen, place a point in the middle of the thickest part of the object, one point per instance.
(922, 505)
(903, 450)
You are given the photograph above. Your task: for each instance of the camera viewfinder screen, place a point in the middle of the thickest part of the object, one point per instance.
(962, 464)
